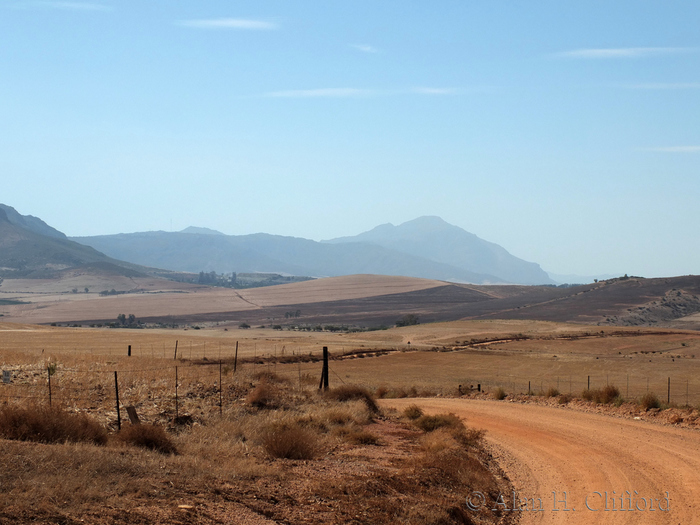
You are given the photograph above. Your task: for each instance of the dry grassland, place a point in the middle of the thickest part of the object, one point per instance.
(52, 301)
(361, 467)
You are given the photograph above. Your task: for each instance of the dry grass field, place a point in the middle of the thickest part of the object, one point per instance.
(52, 301)
(261, 444)
(435, 358)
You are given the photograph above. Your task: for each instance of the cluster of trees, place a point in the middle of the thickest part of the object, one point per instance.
(129, 321)
(110, 292)
(290, 314)
(408, 320)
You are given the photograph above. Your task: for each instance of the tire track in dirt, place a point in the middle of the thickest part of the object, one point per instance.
(545, 450)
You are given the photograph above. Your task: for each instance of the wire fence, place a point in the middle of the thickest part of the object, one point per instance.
(158, 392)
(679, 390)
(165, 388)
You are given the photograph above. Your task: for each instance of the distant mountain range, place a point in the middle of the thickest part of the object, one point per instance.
(426, 247)
(30, 248)
(434, 239)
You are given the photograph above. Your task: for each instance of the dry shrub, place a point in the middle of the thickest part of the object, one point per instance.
(454, 467)
(470, 437)
(609, 393)
(356, 435)
(381, 392)
(290, 441)
(267, 376)
(323, 419)
(430, 423)
(152, 437)
(605, 395)
(412, 412)
(352, 392)
(564, 399)
(437, 441)
(452, 425)
(499, 393)
(47, 425)
(552, 392)
(649, 401)
(263, 396)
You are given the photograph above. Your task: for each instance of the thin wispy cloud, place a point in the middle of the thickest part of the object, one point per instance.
(355, 92)
(68, 6)
(664, 85)
(365, 48)
(229, 23)
(321, 93)
(433, 91)
(624, 52)
(675, 149)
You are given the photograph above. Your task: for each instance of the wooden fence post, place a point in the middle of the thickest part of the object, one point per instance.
(176, 407)
(235, 359)
(48, 370)
(324, 371)
(116, 392)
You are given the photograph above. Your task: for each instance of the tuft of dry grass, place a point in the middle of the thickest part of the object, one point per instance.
(605, 395)
(430, 423)
(356, 435)
(564, 399)
(290, 441)
(552, 392)
(499, 393)
(649, 401)
(413, 412)
(263, 395)
(49, 425)
(152, 437)
(352, 392)
(268, 376)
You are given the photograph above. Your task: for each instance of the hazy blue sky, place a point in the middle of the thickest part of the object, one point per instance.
(566, 131)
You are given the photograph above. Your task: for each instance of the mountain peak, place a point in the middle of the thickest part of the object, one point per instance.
(439, 241)
(201, 231)
(28, 222)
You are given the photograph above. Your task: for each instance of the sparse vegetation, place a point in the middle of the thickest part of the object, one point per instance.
(352, 392)
(499, 394)
(412, 412)
(49, 425)
(430, 423)
(605, 395)
(152, 437)
(408, 320)
(552, 392)
(290, 442)
(649, 401)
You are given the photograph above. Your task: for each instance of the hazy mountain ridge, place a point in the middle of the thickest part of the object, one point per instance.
(30, 248)
(426, 247)
(31, 223)
(263, 252)
(433, 238)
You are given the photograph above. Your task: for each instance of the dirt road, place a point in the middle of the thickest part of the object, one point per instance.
(573, 460)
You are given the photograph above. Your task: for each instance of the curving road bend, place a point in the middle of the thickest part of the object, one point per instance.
(578, 457)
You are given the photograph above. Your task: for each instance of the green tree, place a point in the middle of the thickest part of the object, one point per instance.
(408, 320)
